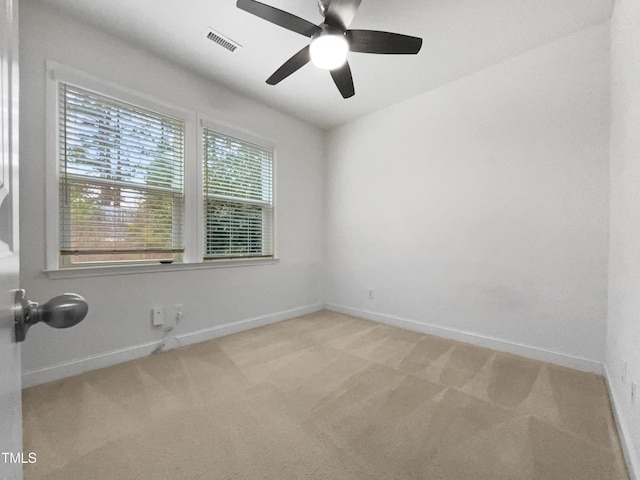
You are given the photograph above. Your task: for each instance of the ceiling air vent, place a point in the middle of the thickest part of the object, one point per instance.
(221, 40)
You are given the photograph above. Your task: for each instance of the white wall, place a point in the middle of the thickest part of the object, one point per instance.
(623, 342)
(120, 306)
(481, 207)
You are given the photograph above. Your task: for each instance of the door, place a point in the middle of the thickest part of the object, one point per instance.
(10, 369)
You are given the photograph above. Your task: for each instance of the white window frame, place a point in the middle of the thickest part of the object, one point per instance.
(225, 129)
(193, 185)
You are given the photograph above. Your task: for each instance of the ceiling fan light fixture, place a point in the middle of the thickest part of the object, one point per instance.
(329, 50)
(331, 41)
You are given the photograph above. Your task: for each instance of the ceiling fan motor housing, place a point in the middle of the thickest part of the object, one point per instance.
(323, 5)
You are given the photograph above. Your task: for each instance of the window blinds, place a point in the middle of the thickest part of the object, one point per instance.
(121, 176)
(238, 191)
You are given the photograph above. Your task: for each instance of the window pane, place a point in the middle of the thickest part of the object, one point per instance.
(121, 179)
(238, 185)
(234, 230)
(103, 218)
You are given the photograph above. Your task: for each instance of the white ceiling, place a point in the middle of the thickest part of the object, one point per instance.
(460, 37)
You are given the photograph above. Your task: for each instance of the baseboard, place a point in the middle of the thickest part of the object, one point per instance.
(535, 353)
(94, 362)
(631, 454)
(75, 367)
(242, 325)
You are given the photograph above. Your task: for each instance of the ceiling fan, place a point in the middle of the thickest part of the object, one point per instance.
(331, 41)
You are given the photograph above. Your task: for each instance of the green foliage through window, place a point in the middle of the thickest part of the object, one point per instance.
(121, 179)
(238, 190)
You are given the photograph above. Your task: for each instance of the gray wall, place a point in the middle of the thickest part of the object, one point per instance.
(623, 342)
(479, 210)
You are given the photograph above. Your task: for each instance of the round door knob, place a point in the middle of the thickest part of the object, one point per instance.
(63, 311)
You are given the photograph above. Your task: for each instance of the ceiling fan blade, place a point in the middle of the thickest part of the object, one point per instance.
(343, 80)
(296, 62)
(373, 41)
(340, 13)
(279, 17)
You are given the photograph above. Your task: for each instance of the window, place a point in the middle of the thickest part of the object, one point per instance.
(238, 199)
(132, 183)
(121, 180)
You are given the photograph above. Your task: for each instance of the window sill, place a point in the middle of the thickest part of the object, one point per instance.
(103, 271)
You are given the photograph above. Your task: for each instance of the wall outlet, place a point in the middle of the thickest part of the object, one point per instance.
(370, 294)
(179, 314)
(158, 316)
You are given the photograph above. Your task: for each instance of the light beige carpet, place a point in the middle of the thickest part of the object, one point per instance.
(324, 396)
